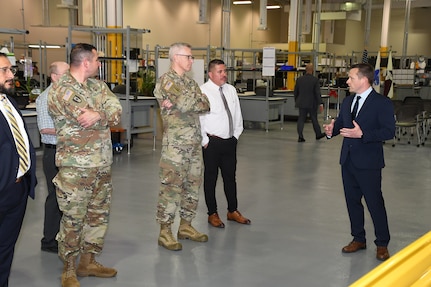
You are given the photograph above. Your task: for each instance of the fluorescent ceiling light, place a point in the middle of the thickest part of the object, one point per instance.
(273, 7)
(241, 2)
(37, 46)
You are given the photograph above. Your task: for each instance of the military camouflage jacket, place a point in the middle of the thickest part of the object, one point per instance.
(181, 124)
(78, 146)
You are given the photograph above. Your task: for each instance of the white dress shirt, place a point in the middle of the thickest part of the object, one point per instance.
(363, 96)
(216, 121)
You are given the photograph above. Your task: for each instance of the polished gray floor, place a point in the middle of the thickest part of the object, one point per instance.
(292, 192)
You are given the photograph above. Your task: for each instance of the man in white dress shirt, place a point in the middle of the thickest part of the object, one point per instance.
(221, 128)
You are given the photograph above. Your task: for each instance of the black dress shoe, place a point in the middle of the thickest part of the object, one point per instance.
(322, 135)
(51, 249)
(300, 140)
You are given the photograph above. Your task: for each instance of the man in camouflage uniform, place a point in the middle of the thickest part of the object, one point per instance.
(181, 102)
(83, 109)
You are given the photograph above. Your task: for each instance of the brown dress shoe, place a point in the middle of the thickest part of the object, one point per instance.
(237, 216)
(353, 247)
(215, 220)
(382, 253)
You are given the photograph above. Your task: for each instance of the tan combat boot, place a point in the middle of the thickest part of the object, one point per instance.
(167, 240)
(88, 266)
(187, 231)
(68, 278)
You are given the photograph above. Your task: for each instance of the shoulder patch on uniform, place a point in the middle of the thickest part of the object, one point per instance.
(168, 85)
(74, 99)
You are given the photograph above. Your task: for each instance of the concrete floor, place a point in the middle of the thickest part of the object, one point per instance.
(292, 192)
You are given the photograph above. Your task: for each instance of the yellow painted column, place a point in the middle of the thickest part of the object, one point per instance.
(292, 60)
(114, 12)
(115, 44)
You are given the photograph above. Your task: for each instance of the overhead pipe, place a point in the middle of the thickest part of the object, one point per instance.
(385, 29)
(45, 13)
(368, 24)
(317, 25)
(307, 19)
(225, 35)
(263, 25)
(293, 42)
(406, 32)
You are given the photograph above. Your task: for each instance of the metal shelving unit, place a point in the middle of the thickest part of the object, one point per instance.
(133, 106)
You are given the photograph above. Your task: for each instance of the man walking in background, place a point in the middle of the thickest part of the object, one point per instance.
(308, 100)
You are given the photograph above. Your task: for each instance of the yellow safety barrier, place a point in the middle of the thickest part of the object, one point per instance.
(409, 267)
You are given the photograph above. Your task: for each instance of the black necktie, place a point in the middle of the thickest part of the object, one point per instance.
(355, 108)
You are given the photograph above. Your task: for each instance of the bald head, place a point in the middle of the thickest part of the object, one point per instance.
(57, 69)
(309, 69)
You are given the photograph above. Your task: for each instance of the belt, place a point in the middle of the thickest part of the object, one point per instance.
(216, 137)
(53, 146)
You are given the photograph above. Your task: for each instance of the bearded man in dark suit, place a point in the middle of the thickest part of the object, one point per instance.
(17, 180)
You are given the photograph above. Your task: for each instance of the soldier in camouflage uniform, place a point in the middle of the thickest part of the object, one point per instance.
(181, 102)
(83, 109)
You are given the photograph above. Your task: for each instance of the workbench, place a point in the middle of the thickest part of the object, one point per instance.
(289, 106)
(139, 115)
(269, 110)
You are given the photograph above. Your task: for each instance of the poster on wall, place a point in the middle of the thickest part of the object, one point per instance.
(197, 72)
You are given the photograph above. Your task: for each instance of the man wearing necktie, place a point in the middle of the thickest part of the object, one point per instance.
(17, 169)
(221, 128)
(365, 121)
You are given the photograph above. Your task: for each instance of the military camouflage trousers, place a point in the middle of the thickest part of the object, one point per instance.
(84, 197)
(181, 177)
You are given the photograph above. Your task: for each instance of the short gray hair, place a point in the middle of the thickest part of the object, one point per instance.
(175, 47)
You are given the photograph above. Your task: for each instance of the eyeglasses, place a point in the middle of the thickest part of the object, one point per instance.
(189, 57)
(12, 70)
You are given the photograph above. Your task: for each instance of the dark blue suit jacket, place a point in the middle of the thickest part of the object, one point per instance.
(377, 121)
(9, 162)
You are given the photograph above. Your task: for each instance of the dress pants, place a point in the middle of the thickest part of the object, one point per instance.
(52, 212)
(220, 153)
(365, 183)
(303, 117)
(13, 203)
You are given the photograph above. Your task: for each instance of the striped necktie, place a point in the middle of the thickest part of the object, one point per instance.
(19, 141)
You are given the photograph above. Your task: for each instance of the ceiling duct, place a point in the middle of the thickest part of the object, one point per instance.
(263, 16)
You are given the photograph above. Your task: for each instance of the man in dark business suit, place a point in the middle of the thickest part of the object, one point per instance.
(308, 100)
(364, 125)
(17, 181)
